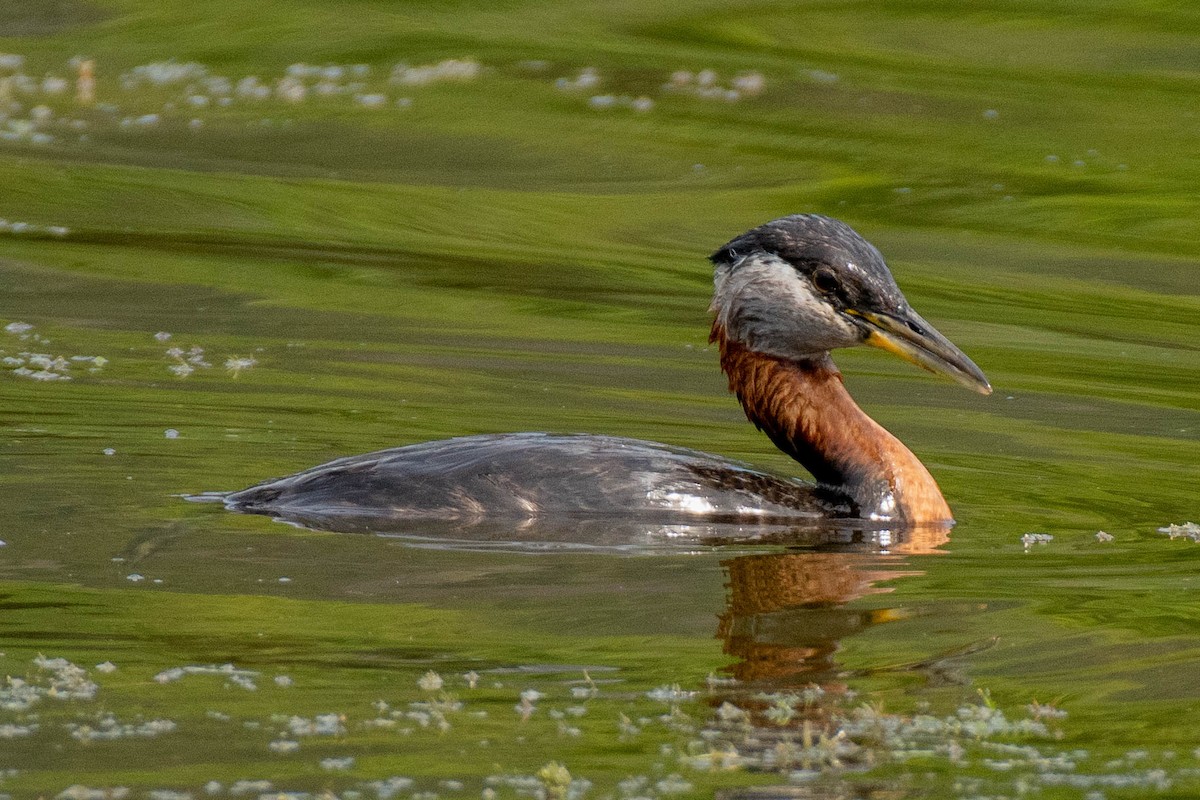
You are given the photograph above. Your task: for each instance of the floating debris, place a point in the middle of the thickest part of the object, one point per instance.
(53, 678)
(528, 703)
(168, 794)
(187, 361)
(170, 433)
(40, 375)
(1030, 539)
(673, 784)
(430, 682)
(706, 84)
(556, 780)
(162, 73)
(291, 89)
(586, 78)
(1188, 530)
(728, 712)
(250, 787)
(169, 94)
(250, 87)
(1045, 711)
(670, 694)
(638, 104)
(97, 362)
(451, 69)
(107, 727)
(750, 83)
(374, 100)
(43, 366)
(234, 365)
(79, 791)
(10, 731)
(822, 77)
(320, 725)
(1101, 536)
(29, 229)
(390, 787)
(825, 735)
(238, 677)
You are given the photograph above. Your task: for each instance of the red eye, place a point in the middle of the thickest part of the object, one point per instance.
(825, 280)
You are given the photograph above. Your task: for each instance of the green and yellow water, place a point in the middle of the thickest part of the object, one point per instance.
(498, 253)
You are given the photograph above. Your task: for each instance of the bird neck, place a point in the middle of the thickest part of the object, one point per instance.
(806, 411)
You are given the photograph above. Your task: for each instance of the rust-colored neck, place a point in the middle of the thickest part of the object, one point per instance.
(807, 412)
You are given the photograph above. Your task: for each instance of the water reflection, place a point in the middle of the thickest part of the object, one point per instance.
(788, 587)
(645, 533)
(786, 613)
(789, 706)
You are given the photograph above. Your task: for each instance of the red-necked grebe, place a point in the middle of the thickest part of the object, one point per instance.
(786, 293)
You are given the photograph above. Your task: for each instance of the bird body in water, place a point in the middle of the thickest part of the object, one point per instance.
(785, 294)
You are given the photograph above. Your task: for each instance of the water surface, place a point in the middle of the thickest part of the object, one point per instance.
(288, 282)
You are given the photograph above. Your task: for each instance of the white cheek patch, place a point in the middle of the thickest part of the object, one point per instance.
(762, 302)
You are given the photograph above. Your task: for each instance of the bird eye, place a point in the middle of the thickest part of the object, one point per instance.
(825, 280)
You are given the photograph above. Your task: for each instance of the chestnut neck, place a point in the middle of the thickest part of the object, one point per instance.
(804, 408)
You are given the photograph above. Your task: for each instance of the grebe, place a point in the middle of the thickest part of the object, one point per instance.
(786, 293)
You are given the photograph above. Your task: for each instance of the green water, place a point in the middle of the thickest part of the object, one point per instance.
(495, 253)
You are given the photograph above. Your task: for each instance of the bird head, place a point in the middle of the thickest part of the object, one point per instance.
(802, 285)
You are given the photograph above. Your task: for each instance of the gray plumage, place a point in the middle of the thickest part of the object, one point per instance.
(528, 475)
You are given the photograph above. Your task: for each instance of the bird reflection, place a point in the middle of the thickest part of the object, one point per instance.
(786, 613)
(785, 618)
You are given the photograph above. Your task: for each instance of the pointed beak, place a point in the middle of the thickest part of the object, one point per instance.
(915, 340)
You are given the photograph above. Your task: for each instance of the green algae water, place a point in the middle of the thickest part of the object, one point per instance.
(262, 244)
